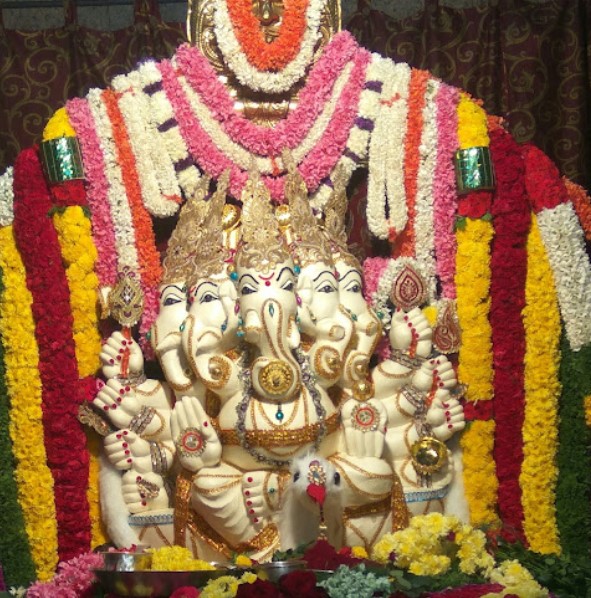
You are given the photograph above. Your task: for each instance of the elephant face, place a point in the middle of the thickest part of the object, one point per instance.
(268, 307)
(165, 334)
(212, 322)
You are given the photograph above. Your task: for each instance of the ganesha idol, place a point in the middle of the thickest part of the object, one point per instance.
(265, 339)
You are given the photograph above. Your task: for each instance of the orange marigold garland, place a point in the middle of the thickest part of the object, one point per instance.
(269, 56)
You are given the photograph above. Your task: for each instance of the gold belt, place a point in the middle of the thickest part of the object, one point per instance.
(281, 436)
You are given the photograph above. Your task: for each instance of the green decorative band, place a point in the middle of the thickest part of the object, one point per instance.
(62, 159)
(474, 170)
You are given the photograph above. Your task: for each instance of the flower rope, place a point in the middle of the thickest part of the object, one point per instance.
(103, 230)
(134, 107)
(565, 245)
(582, 204)
(423, 232)
(475, 371)
(15, 553)
(287, 133)
(150, 269)
(444, 189)
(6, 198)
(268, 56)
(21, 357)
(542, 392)
(317, 164)
(239, 62)
(403, 243)
(386, 201)
(511, 219)
(79, 255)
(65, 441)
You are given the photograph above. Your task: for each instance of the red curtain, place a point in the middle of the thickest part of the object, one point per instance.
(40, 70)
(530, 62)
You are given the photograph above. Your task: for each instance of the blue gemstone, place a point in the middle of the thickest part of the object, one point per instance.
(234, 276)
(224, 326)
(279, 415)
(182, 327)
(297, 269)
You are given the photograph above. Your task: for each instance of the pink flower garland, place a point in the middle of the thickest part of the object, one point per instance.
(444, 189)
(65, 440)
(316, 165)
(511, 219)
(94, 166)
(287, 133)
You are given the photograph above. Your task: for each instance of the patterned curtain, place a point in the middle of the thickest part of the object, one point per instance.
(40, 70)
(530, 62)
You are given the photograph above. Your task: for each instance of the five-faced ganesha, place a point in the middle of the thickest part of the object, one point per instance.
(267, 348)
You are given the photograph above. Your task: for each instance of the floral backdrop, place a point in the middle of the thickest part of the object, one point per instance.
(528, 61)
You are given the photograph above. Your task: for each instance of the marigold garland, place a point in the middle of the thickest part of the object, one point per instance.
(79, 256)
(269, 56)
(58, 126)
(473, 302)
(511, 218)
(15, 553)
(480, 478)
(403, 243)
(542, 392)
(33, 477)
(68, 460)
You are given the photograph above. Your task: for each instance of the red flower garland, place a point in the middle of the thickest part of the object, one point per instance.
(65, 441)
(511, 217)
(544, 186)
(275, 55)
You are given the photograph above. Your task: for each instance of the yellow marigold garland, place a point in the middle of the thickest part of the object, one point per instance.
(58, 126)
(79, 256)
(473, 304)
(480, 479)
(35, 483)
(475, 369)
(472, 124)
(542, 391)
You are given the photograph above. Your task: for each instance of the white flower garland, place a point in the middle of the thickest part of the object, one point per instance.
(424, 245)
(386, 153)
(381, 296)
(565, 247)
(134, 109)
(6, 198)
(250, 76)
(358, 140)
(169, 144)
(240, 155)
(118, 203)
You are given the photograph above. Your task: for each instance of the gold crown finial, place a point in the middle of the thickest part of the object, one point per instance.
(335, 214)
(310, 245)
(262, 247)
